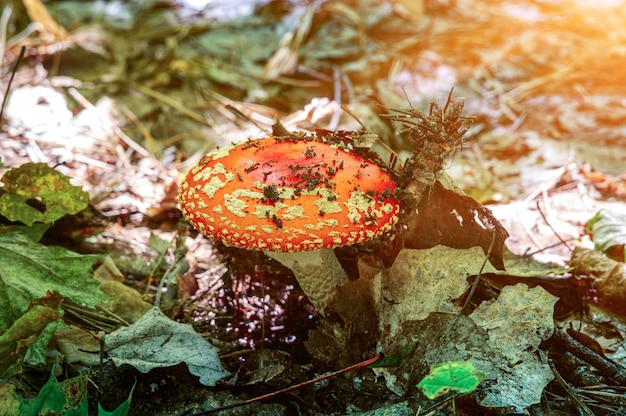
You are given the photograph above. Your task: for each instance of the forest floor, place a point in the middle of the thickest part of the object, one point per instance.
(125, 98)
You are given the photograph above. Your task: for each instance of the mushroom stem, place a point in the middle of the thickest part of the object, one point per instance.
(317, 271)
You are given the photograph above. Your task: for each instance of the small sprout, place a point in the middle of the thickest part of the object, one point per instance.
(459, 376)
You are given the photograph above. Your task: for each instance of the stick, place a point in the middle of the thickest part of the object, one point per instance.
(291, 388)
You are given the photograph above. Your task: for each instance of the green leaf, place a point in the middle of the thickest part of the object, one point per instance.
(122, 409)
(33, 233)
(37, 193)
(460, 376)
(159, 245)
(608, 230)
(17, 339)
(29, 270)
(37, 353)
(66, 398)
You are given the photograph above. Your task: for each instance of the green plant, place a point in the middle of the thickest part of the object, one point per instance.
(459, 376)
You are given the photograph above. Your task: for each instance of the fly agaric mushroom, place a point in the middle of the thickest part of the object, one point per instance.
(295, 199)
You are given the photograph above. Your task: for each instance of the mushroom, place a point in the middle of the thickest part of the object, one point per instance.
(294, 198)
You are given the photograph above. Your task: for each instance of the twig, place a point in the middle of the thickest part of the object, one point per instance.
(480, 272)
(336, 116)
(291, 388)
(545, 219)
(584, 410)
(612, 370)
(6, 93)
(240, 114)
(541, 250)
(145, 132)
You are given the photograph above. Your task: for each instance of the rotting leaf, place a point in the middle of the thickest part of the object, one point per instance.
(67, 397)
(500, 338)
(518, 321)
(9, 401)
(37, 193)
(441, 337)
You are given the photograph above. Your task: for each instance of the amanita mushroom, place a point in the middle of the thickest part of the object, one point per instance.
(295, 199)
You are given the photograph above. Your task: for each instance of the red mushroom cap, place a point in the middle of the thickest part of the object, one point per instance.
(288, 195)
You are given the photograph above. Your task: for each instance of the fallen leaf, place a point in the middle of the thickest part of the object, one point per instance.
(22, 333)
(450, 219)
(608, 230)
(37, 193)
(516, 323)
(155, 341)
(29, 270)
(423, 281)
(500, 338)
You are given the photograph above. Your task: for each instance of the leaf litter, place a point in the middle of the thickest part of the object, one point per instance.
(512, 89)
